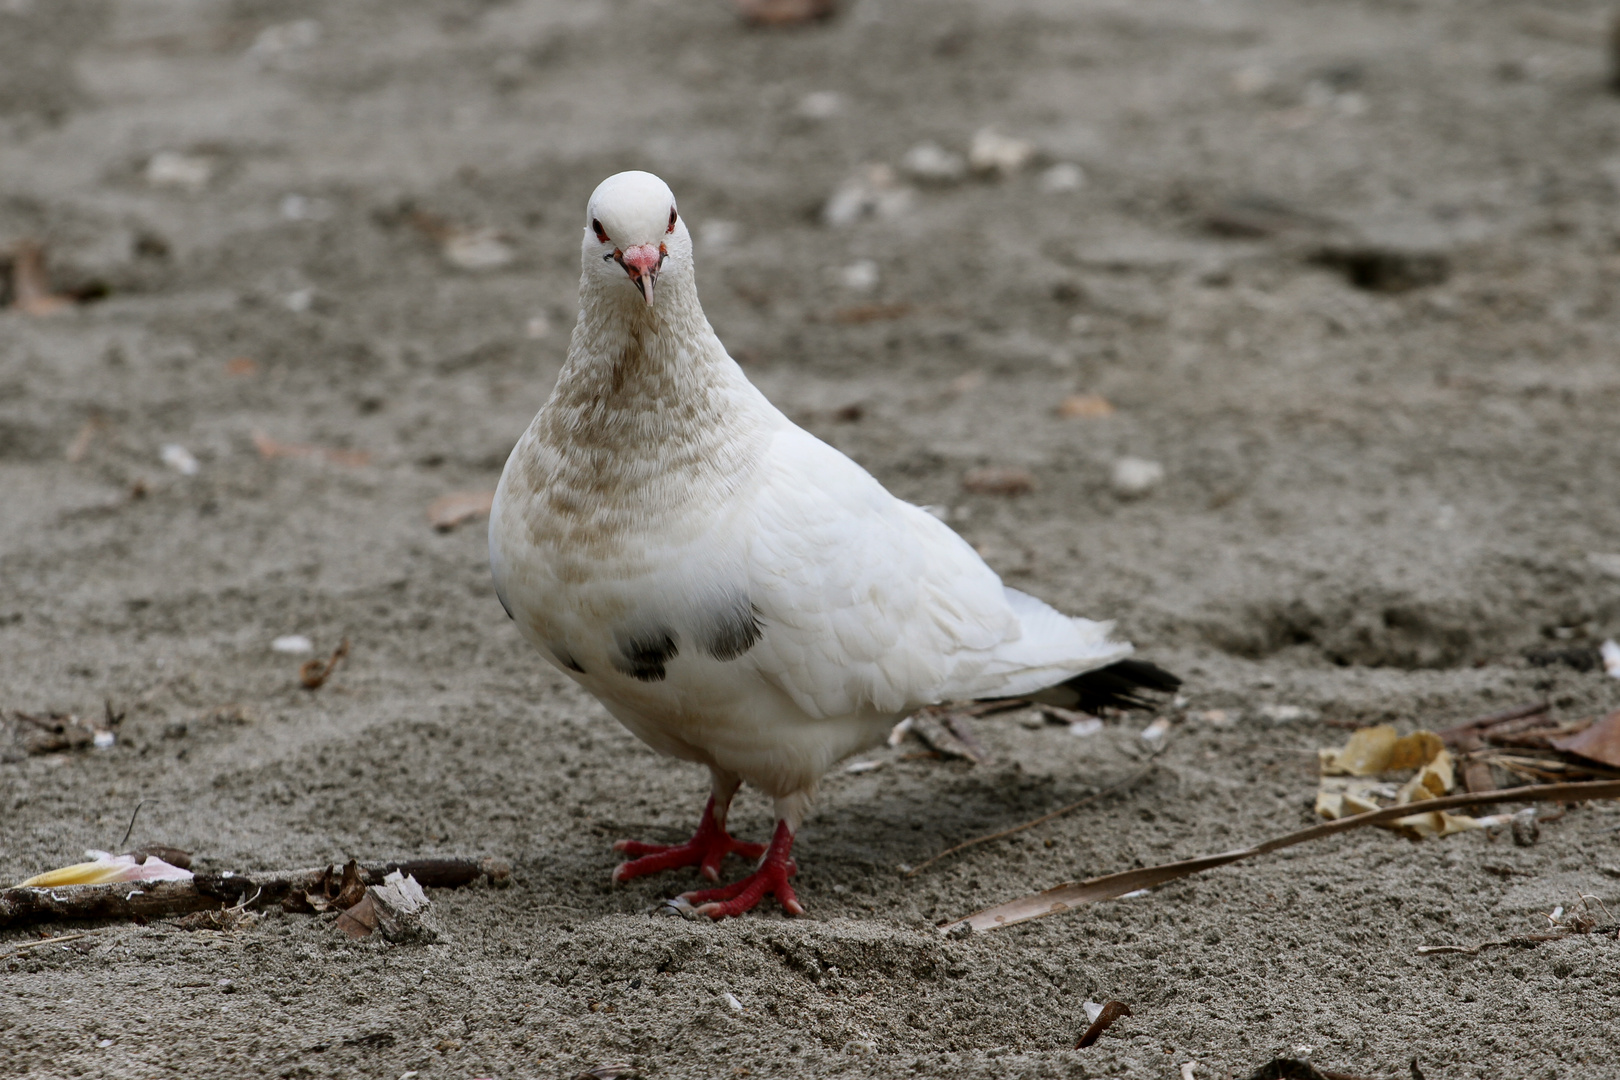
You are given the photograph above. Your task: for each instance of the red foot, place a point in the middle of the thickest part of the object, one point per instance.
(708, 846)
(771, 878)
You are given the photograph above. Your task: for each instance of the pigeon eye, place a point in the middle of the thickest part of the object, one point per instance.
(671, 220)
(601, 233)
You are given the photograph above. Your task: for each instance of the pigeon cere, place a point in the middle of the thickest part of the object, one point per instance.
(809, 539)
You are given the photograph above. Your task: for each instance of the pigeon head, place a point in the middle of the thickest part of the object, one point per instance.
(633, 233)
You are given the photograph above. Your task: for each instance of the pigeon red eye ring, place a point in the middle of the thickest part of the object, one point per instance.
(671, 220)
(601, 233)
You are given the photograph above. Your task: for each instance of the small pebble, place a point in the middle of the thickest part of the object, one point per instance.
(861, 276)
(179, 459)
(992, 152)
(189, 172)
(821, 105)
(930, 163)
(1062, 177)
(1135, 476)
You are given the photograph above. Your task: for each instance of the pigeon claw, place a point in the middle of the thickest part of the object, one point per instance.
(707, 848)
(771, 879)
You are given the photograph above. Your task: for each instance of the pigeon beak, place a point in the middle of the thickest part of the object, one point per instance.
(642, 263)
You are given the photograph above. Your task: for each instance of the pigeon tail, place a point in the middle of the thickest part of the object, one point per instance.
(1124, 684)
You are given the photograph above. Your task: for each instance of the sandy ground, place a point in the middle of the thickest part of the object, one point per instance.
(1375, 503)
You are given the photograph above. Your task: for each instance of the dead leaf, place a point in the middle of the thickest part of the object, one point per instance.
(990, 480)
(1111, 1012)
(458, 507)
(269, 448)
(1373, 750)
(785, 12)
(360, 920)
(30, 285)
(1085, 407)
(1600, 742)
(313, 673)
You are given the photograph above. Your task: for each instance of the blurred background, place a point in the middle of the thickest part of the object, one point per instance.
(1283, 332)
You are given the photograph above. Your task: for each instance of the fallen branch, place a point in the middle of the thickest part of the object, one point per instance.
(1123, 785)
(1075, 893)
(215, 891)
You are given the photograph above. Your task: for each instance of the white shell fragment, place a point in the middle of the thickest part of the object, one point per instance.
(821, 105)
(930, 163)
(1062, 177)
(297, 644)
(478, 249)
(992, 152)
(179, 459)
(859, 276)
(873, 192)
(1135, 476)
(1611, 657)
(172, 169)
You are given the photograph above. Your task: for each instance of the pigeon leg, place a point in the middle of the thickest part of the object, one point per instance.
(771, 878)
(708, 846)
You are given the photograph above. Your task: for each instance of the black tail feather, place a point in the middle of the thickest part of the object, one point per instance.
(1123, 684)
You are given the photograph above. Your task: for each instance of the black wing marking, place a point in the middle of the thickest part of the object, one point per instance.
(644, 653)
(734, 631)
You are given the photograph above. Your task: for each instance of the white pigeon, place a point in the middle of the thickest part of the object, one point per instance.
(735, 591)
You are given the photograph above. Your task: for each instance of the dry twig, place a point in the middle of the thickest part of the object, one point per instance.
(212, 892)
(1124, 785)
(1111, 886)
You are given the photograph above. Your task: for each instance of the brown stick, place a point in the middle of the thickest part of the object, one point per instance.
(1111, 1011)
(1518, 712)
(1128, 782)
(207, 891)
(1075, 893)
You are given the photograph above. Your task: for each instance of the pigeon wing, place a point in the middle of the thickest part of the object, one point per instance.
(871, 603)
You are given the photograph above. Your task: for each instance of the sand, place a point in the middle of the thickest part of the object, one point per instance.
(1376, 501)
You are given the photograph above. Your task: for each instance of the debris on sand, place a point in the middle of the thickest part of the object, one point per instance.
(1132, 477)
(312, 674)
(1073, 894)
(105, 868)
(1600, 742)
(397, 907)
(270, 449)
(215, 892)
(1105, 1016)
(994, 154)
(30, 285)
(173, 169)
(993, 480)
(873, 192)
(930, 163)
(474, 249)
(785, 12)
(459, 507)
(1085, 407)
(28, 735)
(180, 459)
(1346, 787)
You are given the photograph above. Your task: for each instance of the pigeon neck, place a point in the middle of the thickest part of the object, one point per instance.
(641, 374)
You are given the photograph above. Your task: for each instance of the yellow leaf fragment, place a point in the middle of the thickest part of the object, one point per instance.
(1373, 750)
(1349, 783)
